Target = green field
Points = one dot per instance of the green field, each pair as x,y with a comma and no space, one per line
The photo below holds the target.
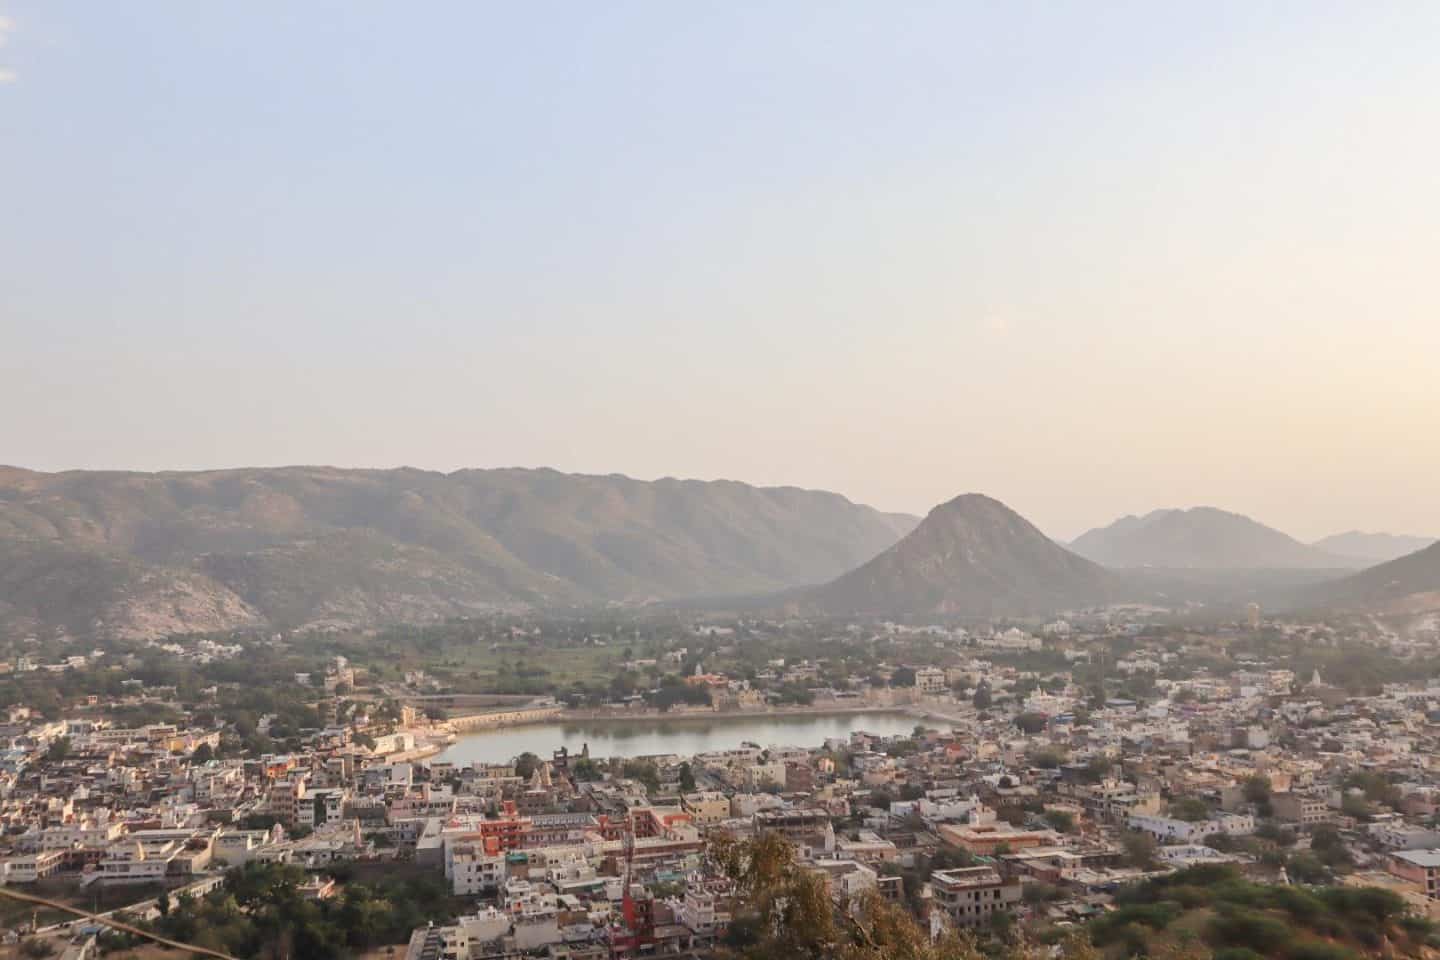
479,669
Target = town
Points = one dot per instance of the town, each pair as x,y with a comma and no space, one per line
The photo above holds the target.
1041,775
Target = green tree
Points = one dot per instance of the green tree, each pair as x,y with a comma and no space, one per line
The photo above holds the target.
525,764
784,912
1355,805
1190,809
1031,723
1306,868
1060,820
1047,759
1139,848
645,772
1257,789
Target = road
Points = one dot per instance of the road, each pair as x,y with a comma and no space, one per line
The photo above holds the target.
148,909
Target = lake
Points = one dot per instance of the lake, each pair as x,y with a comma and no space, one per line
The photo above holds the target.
687,735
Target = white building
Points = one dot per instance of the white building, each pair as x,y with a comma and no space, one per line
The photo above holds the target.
1170,830
470,870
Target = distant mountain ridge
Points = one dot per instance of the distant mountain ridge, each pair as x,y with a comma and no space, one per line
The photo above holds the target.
1407,585
970,557
1372,548
143,554
1201,538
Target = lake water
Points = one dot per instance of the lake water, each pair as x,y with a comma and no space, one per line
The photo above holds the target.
680,735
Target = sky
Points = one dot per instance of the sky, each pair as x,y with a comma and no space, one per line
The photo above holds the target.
1089,258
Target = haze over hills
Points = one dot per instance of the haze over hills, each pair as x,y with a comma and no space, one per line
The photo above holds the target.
1371,548
1410,584
146,554
1201,538
970,557
134,554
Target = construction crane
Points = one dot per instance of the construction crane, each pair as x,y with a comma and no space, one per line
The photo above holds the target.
626,937
627,902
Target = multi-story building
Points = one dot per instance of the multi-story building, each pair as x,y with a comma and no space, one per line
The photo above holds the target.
234,848
707,807
470,869
987,839
1418,866
87,833
799,777
285,799
845,879
30,868
1398,835
464,938
558,829
1305,811
970,895
799,826
1171,830
930,681
704,910
321,806
868,846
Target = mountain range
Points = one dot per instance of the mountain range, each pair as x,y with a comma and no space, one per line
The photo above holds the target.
148,554
144,554
1202,538
974,557
1367,549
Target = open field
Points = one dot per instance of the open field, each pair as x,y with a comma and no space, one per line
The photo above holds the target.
480,668
96,899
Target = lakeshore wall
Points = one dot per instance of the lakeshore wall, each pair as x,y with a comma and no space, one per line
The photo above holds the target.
506,718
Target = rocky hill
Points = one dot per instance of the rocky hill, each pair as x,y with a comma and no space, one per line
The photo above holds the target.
1408,585
970,557
147,554
1201,538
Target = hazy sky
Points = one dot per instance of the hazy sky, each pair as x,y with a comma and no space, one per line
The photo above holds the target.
1090,258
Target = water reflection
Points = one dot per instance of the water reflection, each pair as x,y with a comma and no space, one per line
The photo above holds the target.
681,735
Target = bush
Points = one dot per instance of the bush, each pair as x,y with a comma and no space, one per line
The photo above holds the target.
1060,820
1190,896
1236,926
1135,942
1121,926
1237,953
1417,928
1370,904
1319,950
1303,906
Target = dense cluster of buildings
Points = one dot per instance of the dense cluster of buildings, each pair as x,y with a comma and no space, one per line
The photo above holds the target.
1022,793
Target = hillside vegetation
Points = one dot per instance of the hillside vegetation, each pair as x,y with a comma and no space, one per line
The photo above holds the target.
130,554
1219,913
